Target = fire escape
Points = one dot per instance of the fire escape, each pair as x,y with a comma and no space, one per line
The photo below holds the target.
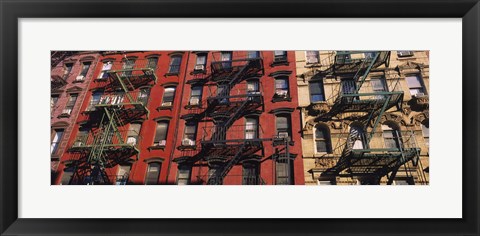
109,141
231,96
364,102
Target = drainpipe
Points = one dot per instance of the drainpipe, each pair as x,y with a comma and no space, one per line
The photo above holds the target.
175,135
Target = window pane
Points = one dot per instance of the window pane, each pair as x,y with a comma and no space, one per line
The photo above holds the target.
281,83
153,172
320,133
152,62
161,132
279,53
85,68
169,94
378,84
282,123
413,82
321,146
196,91
66,177
201,59
425,131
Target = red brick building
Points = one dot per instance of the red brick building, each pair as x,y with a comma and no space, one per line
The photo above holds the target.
71,73
188,118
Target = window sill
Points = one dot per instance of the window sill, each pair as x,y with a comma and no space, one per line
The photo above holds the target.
195,72
164,108
172,74
279,142
193,107
78,81
156,147
280,63
64,115
184,147
281,99
101,79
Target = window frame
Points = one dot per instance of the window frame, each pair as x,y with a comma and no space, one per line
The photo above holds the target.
149,165
173,66
168,99
157,137
326,139
322,89
420,81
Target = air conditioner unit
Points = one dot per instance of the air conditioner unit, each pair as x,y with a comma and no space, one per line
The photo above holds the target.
67,111
282,134
419,95
281,93
79,78
194,101
167,104
162,143
131,140
405,53
78,144
188,142
312,60
199,67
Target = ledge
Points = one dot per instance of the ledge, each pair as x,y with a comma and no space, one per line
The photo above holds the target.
164,108
156,147
280,63
64,115
281,99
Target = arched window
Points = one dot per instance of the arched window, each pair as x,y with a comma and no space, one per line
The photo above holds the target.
251,128
322,139
175,62
357,137
153,173
133,133
391,135
143,95
168,97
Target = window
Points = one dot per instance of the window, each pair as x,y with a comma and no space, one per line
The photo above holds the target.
348,86
67,176
214,175
316,91
224,93
281,86
357,137
143,95
404,181
253,54
161,133
153,173
168,96
152,63
95,100
133,133
283,126
426,132
284,172
68,69
327,181
83,73
251,128
195,96
57,137
378,85
107,66
404,53
313,57
175,62
253,89
251,174
415,85
70,104
128,66
201,62
81,139
280,56
183,177
322,139
189,134
226,57
122,174
53,102
391,135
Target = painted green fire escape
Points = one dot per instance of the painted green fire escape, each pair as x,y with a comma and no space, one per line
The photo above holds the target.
357,96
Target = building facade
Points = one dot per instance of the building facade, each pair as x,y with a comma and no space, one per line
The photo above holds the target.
71,73
365,116
172,117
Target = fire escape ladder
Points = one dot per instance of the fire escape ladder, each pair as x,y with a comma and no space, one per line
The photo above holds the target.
361,79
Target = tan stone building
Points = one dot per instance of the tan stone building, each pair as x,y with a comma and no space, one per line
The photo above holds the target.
365,116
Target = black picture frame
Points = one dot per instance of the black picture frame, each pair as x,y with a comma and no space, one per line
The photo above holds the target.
12,10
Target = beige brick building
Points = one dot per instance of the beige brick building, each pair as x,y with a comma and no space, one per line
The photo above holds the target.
365,116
